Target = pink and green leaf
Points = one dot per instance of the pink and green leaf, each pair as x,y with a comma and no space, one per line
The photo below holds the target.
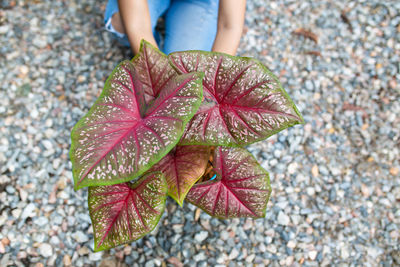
153,70
126,212
121,137
243,101
182,167
241,188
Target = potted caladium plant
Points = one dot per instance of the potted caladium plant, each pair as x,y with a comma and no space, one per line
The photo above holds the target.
177,126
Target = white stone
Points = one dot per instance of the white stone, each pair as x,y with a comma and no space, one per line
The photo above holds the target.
23,194
312,254
80,237
41,221
310,191
283,219
292,167
289,260
16,213
47,144
29,211
45,250
234,253
201,236
344,252
250,258
54,240
291,244
95,256
34,113
272,248
4,29
374,252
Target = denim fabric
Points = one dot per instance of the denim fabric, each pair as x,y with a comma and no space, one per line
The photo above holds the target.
189,24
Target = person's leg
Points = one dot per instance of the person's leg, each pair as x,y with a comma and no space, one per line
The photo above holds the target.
113,21
190,25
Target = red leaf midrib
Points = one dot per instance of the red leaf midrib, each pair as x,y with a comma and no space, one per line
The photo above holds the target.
155,109
115,218
238,199
228,89
184,70
107,151
249,90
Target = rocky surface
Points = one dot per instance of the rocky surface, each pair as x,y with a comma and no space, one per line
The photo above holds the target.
335,180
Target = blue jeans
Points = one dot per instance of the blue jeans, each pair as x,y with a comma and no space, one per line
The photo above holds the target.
189,24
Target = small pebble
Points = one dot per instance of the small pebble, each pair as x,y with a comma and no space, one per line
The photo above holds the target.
46,250
201,236
80,237
283,219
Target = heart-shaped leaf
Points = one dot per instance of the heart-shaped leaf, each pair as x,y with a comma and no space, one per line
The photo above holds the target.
121,137
243,101
241,188
153,70
182,167
125,212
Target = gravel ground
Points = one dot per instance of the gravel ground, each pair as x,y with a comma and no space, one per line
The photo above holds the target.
335,180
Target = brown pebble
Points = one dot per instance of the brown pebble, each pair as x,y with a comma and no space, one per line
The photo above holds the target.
81,79
5,241
197,214
365,190
315,171
175,261
119,255
22,255
394,171
232,234
393,84
83,251
127,250
67,260
64,226
53,195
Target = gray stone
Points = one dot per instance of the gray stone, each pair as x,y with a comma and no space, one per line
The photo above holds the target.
96,256
234,254
42,221
80,237
201,236
29,211
283,219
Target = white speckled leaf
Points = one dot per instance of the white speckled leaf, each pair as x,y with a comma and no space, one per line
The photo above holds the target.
121,137
241,188
182,167
153,70
243,101
126,212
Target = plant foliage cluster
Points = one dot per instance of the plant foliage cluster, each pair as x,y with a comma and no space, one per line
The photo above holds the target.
177,125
